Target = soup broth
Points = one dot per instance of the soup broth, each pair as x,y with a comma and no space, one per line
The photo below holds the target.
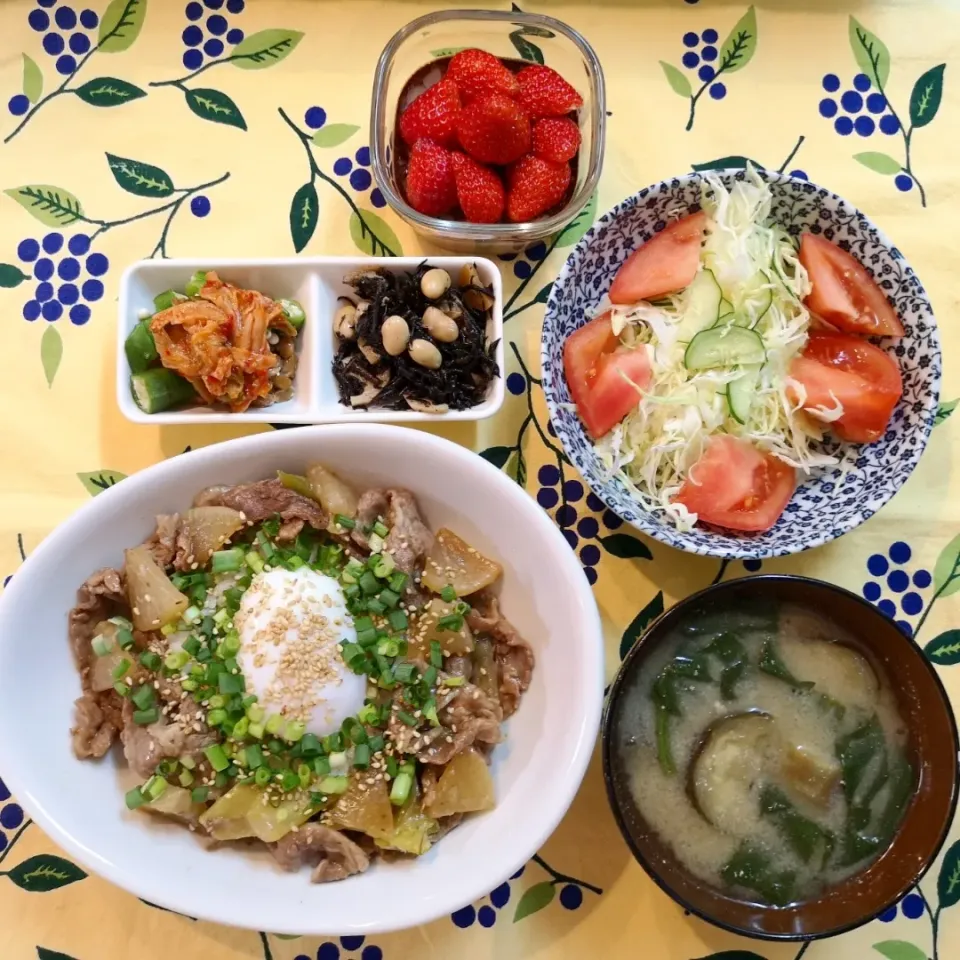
767,751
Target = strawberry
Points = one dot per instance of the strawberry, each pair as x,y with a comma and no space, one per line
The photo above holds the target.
556,139
433,115
535,186
478,73
479,190
431,188
544,93
494,130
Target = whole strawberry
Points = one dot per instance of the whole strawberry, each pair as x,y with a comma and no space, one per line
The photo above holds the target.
479,190
556,139
534,186
431,188
494,129
544,93
433,115
478,73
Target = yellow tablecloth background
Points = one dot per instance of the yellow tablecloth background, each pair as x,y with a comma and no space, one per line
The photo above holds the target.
62,435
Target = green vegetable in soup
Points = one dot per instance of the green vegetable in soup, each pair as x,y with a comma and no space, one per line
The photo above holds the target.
859,753
733,655
899,791
751,868
829,705
692,666
771,663
664,750
803,835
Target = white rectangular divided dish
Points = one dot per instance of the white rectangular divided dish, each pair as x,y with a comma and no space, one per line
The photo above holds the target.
316,282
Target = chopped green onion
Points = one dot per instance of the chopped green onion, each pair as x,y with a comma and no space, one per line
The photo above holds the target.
376,606
453,681
333,785
293,731
255,713
380,529
226,561
231,683
333,743
254,561
120,669
263,775
389,598
362,624
384,566
353,729
191,615
144,697
304,774
354,567
187,761
168,629
268,550
430,675
256,730
376,544
452,621
294,562
368,714
376,743
216,757
366,638
386,679
404,672
216,716
462,608
144,718
369,584
185,778
447,594
154,787
406,718
150,660
400,791
274,724
240,728
221,779
124,638
231,643
361,756
122,689
430,712
392,767
346,522
221,617
122,622
216,700
310,746
176,659
253,756
167,767
199,794
321,766
436,657
134,798
353,657
388,648
398,620
289,781
101,645
398,582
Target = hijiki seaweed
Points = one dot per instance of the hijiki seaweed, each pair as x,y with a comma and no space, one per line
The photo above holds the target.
429,362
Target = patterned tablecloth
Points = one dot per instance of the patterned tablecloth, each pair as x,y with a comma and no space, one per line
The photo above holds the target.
153,128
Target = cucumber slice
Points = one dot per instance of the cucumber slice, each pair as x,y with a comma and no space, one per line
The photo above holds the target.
701,305
140,348
725,309
740,393
724,347
293,312
159,389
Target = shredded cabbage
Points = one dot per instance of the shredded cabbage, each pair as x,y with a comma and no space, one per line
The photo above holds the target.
763,285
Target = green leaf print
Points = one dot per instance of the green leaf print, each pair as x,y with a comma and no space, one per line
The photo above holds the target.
446,51
108,92
679,83
573,232
215,106
373,235
627,547
944,650
726,163
944,409
99,480
946,573
11,276
926,96
333,134
948,882
141,179
879,162
741,44
870,52
899,950
640,622
121,24
51,353
45,872
264,48
32,80
535,899
733,955
304,213
498,456
44,954
52,206
526,49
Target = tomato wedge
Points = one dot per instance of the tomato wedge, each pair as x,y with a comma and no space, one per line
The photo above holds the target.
666,263
736,486
866,380
844,294
605,378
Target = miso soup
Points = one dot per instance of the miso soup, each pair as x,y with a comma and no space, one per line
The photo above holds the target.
766,750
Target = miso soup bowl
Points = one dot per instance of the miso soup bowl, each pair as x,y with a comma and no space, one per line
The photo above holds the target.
932,748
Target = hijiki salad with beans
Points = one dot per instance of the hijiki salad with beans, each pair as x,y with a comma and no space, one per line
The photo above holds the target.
414,340
216,344
292,664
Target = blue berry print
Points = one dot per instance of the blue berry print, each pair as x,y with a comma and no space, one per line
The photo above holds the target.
66,18
79,43
18,105
66,64
235,6
194,11
851,101
52,310
464,917
52,242
890,569
192,36
28,250
861,82
53,44
831,83
709,54
315,118
547,498
4,791
43,268
342,166
876,103
360,180
690,40
213,47
39,20
889,125
92,290
200,205
706,73
363,156
843,126
501,896
68,294
888,915
516,384
11,816
217,25
571,896
828,108
903,182
912,906
234,35
898,581
31,310
900,552
89,20
922,579
548,475
78,244
690,60
752,565
80,314
487,916
97,264
718,91
864,126
522,270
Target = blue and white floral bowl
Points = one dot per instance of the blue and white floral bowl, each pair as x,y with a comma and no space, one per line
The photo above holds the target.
827,504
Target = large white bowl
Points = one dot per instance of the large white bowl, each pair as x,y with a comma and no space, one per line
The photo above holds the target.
537,770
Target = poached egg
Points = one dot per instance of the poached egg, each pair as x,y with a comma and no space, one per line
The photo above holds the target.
290,624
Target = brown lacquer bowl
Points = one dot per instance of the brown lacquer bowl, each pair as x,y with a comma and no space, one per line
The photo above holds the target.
932,748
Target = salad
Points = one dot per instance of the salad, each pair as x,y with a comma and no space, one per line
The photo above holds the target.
298,664
723,353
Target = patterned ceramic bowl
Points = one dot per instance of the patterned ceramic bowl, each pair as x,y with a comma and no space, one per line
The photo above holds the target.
830,502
